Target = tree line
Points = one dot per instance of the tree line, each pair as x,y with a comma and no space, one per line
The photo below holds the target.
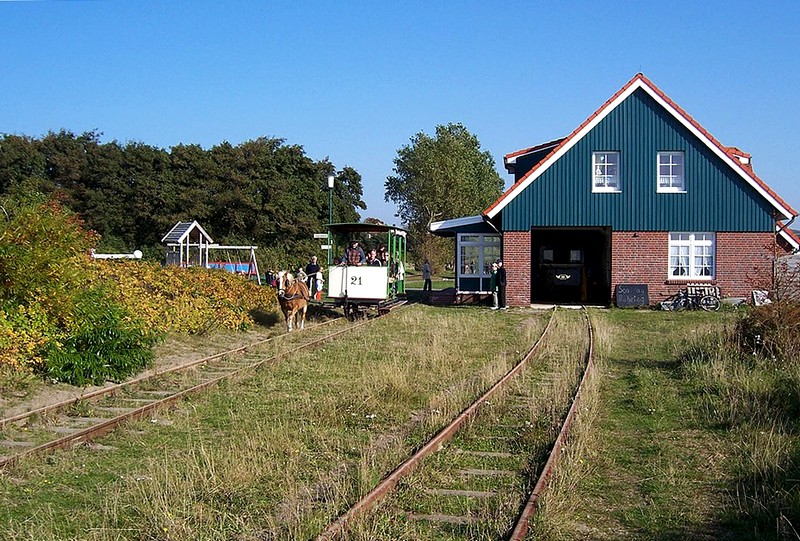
261,192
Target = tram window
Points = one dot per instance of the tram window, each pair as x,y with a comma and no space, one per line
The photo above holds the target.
575,256
547,255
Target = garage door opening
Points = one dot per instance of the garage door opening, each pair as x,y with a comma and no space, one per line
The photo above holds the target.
571,265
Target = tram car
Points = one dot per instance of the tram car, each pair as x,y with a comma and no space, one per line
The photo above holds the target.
358,284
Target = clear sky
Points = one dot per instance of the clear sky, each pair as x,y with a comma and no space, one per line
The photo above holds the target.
354,81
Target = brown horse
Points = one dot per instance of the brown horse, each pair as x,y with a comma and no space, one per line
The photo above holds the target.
293,297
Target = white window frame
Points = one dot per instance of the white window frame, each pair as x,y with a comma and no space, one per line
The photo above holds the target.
692,256
483,262
602,180
671,171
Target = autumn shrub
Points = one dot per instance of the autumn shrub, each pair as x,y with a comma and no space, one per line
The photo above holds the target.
183,300
24,331
42,250
54,320
83,321
772,330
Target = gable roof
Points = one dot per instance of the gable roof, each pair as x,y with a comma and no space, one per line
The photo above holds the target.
181,230
789,236
737,160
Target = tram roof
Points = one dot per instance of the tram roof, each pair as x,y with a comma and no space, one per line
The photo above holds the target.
364,228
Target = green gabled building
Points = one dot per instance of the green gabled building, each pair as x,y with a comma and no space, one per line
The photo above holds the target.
640,193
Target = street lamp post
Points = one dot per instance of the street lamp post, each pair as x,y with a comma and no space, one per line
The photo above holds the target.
331,178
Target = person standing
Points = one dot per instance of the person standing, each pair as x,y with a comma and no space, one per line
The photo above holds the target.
427,285
311,271
319,284
493,286
501,285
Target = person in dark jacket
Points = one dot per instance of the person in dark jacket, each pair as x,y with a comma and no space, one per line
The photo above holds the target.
493,286
501,285
311,271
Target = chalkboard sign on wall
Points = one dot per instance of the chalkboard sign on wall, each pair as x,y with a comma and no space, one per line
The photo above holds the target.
632,295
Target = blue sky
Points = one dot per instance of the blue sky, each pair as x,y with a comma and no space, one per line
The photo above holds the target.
354,81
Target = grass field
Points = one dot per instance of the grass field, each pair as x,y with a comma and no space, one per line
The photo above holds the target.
660,455
276,455
663,451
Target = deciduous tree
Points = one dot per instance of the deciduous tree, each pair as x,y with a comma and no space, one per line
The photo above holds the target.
441,177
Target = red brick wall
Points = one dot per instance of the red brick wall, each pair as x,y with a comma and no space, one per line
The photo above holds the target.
640,257
517,261
743,262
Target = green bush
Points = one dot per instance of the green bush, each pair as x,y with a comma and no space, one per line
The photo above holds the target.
106,345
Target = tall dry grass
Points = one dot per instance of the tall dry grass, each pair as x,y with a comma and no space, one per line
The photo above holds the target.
279,455
749,379
560,506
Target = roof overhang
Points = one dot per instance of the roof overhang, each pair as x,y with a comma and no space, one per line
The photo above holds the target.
467,224
789,236
510,159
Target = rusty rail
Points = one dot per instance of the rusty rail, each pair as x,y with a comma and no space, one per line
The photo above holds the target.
106,426
529,510
339,526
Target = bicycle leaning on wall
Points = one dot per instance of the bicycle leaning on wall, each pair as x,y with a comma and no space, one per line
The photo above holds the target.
694,297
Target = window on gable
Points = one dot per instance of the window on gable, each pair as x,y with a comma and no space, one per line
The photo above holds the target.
605,172
691,256
670,172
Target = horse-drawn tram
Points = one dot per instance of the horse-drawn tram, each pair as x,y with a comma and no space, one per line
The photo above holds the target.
367,268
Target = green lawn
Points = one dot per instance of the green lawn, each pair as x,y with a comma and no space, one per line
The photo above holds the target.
651,460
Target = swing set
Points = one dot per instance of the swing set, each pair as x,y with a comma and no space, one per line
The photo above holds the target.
188,245
247,268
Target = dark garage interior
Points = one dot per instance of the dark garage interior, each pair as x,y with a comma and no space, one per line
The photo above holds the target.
571,265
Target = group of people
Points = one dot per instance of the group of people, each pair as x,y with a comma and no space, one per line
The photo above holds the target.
355,255
312,276
497,283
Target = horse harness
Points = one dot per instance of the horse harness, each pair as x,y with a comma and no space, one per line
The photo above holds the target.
282,294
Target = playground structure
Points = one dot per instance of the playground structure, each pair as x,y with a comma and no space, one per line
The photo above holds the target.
188,245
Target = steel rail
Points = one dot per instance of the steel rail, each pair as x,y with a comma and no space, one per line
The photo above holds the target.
531,506
339,526
107,426
112,389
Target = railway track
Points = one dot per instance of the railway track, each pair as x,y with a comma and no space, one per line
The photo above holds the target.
481,476
94,414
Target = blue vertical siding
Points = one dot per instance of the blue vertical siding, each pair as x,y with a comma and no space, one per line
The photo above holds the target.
716,199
